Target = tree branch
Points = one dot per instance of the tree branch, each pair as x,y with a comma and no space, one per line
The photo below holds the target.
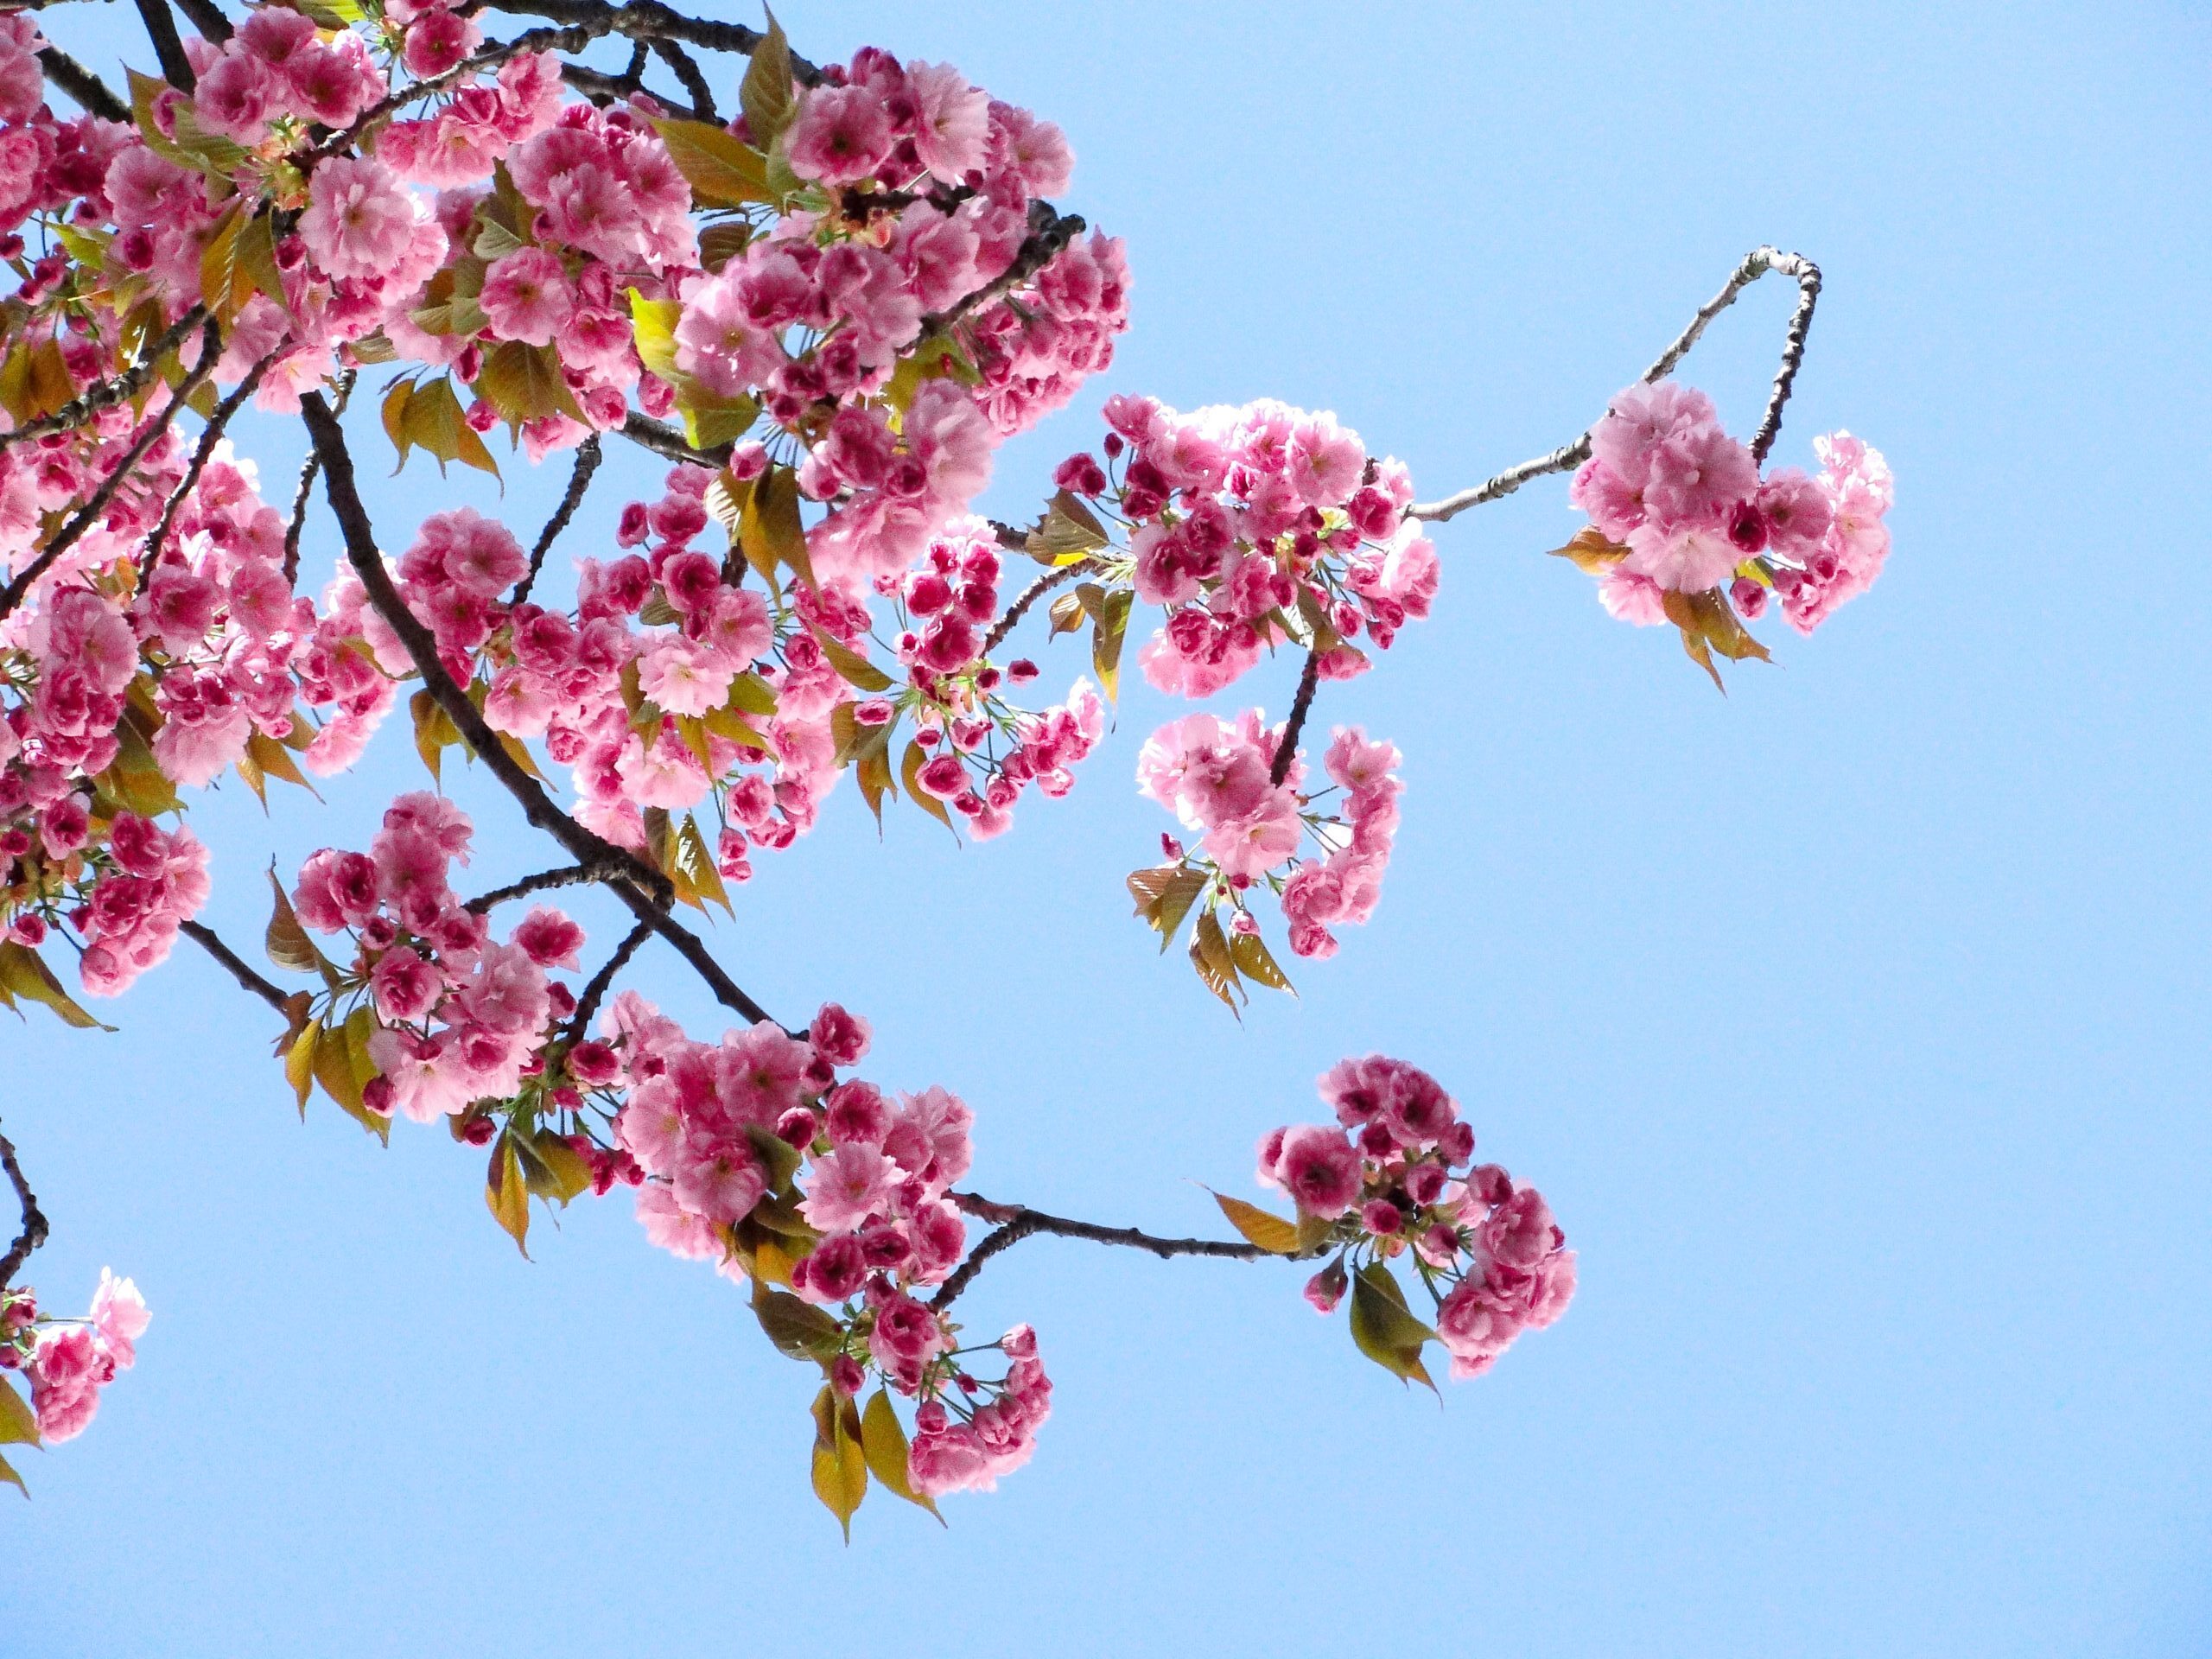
208,440
240,969
595,992
69,534
685,68
206,19
1568,457
568,875
1050,232
160,28
669,444
643,890
648,21
1301,704
35,1229
309,468
91,93
1016,1222
1029,595
587,458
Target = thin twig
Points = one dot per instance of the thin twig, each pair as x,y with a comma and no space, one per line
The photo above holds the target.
69,534
240,969
668,443
644,891
1309,681
206,448
568,875
647,19
1029,595
1568,457
309,468
587,458
95,398
595,992
93,94
1016,1222
1049,232
35,1229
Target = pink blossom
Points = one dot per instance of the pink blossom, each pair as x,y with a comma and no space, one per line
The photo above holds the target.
845,1187
840,134
527,297
1321,1169
359,223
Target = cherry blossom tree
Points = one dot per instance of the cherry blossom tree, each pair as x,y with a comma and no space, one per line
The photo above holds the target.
541,232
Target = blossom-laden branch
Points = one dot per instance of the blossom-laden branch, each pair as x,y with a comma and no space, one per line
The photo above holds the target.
643,890
1568,457
90,513
827,313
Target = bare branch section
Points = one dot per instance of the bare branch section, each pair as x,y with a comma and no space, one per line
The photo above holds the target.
240,968
93,94
169,45
35,1228
1016,1222
603,981
643,890
587,458
568,875
1568,457
308,470
1035,591
1309,682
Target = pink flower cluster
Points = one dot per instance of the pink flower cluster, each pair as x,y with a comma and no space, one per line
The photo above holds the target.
1217,777
68,1362
754,1145
1255,525
1688,512
458,1017
1394,1177
960,1445
274,78
45,162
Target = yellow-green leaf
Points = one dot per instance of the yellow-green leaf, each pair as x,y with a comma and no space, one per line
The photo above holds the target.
7,1473
1270,1232
652,327
23,973
840,1463
883,1438
1217,968
299,1063
1592,552
285,940
18,1422
1165,895
910,772
524,383
723,170
766,95
799,1329
1068,531
1383,1329
769,530
507,1195
856,669
1253,959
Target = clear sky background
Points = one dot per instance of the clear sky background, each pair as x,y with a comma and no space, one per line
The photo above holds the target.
1853,1023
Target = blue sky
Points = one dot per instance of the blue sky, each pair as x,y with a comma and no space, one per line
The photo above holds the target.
1853,1023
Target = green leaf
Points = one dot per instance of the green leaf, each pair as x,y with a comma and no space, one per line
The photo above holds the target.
691,866
856,669
1590,552
1217,968
552,1168
18,1423
1113,624
7,1473
1270,1232
723,170
1383,1329
1165,895
797,1329
1068,531
652,327
766,94
840,1462
769,532
433,418
1253,959
883,1438
524,383
910,772
23,973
